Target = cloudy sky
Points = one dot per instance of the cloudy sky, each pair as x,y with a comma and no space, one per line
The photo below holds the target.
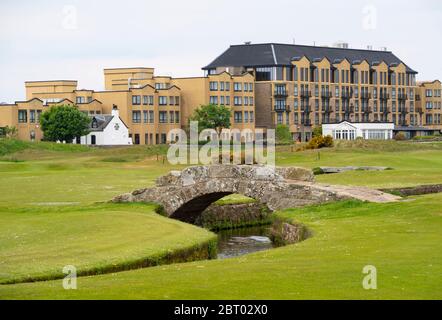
76,39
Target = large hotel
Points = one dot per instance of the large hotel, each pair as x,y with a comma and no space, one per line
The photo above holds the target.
263,84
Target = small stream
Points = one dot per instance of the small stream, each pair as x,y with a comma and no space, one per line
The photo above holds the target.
238,242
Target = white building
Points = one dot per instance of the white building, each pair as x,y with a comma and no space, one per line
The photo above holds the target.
350,131
106,130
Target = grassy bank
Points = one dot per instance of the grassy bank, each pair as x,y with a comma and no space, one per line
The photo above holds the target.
401,240
36,243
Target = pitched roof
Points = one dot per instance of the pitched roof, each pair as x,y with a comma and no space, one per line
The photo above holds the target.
101,122
276,54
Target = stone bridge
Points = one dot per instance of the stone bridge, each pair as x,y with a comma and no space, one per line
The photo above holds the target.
186,194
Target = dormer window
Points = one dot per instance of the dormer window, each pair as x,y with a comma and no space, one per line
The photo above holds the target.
94,123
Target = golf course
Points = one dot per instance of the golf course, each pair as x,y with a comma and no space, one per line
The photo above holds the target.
54,212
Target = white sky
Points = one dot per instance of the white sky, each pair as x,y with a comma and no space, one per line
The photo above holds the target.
76,39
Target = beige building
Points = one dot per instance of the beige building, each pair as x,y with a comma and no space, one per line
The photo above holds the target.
306,86
263,84
429,104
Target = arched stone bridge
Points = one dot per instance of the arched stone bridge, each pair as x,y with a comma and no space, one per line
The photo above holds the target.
186,194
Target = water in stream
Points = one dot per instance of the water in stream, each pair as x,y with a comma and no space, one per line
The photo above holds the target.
238,242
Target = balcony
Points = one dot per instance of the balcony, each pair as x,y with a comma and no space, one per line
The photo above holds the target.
282,108
306,109
385,110
403,110
326,94
280,93
349,110
305,93
402,96
365,95
367,110
346,94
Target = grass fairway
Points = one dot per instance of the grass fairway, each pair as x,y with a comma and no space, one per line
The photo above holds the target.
37,243
49,217
403,241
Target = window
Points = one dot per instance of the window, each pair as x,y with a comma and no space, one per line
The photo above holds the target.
145,100
145,116
237,116
213,100
222,100
177,117
22,116
251,116
38,116
279,118
246,116
428,93
295,91
227,100
171,116
162,100
251,101
32,116
213,86
151,116
163,116
80,100
237,101
237,86
150,100
227,86
251,88
295,73
246,87
246,101
136,100
136,116
171,101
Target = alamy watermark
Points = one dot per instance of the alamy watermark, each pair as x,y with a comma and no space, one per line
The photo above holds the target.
370,281
230,146
70,280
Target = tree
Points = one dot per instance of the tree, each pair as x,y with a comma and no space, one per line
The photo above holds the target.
283,135
64,123
212,117
11,132
317,131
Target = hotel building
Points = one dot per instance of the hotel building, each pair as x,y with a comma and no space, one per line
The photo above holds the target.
263,84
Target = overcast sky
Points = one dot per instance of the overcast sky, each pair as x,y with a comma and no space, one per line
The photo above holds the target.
43,39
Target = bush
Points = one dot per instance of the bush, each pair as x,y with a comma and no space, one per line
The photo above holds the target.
320,142
399,136
283,135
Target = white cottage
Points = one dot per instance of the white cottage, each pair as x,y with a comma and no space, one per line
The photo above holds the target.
106,130
350,131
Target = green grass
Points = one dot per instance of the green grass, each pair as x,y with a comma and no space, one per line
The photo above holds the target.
401,240
37,242
413,164
49,217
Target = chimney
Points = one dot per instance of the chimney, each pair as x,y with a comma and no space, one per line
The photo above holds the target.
115,112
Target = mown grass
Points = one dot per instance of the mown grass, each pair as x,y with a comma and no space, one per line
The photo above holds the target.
401,240
49,196
36,243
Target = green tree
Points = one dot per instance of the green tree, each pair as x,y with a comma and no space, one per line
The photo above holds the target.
64,123
317,131
283,135
11,132
212,117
